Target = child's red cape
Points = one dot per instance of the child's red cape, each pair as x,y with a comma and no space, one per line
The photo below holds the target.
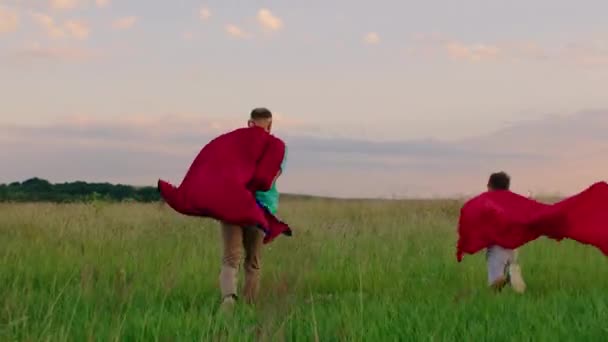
510,220
224,177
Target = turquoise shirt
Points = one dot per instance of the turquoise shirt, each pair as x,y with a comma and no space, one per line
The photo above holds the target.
270,198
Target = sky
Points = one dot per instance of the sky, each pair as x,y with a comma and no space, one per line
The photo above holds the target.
404,95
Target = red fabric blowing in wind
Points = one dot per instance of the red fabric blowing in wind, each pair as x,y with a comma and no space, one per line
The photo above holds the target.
222,181
510,220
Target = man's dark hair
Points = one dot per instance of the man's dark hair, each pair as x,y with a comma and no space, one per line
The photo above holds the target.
261,113
499,181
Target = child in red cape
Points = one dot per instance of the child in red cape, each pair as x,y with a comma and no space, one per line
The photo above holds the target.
502,263
232,180
506,219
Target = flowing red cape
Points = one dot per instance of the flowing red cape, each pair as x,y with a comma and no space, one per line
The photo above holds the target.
510,220
223,178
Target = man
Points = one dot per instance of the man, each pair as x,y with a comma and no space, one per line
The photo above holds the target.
250,239
232,180
502,263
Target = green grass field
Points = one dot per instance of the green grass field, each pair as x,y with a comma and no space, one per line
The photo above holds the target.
353,271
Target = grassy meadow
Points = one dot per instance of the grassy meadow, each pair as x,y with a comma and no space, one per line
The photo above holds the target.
353,271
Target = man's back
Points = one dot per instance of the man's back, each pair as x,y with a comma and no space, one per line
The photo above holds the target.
221,179
233,154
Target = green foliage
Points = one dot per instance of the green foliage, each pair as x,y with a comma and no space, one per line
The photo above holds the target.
40,190
353,271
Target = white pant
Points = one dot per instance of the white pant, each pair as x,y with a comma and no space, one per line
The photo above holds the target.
498,260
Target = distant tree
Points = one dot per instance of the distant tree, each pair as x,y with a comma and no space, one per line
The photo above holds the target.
147,194
37,184
36,189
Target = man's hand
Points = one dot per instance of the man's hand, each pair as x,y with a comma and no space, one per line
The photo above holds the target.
277,176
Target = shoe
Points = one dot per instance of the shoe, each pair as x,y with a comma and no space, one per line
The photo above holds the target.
499,283
228,304
515,279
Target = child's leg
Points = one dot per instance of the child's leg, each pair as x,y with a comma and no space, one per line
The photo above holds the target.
517,281
498,261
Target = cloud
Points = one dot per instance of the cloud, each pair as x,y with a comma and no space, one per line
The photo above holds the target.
472,53
437,44
526,51
132,147
204,13
77,29
236,32
188,36
371,38
139,149
9,20
586,51
36,51
64,4
102,3
269,21
46,22
429,37
593,53
124,23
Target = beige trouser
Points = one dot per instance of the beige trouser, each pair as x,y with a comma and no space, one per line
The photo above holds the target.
235,239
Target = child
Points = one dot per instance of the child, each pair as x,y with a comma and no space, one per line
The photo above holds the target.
502,263
250,239
499,217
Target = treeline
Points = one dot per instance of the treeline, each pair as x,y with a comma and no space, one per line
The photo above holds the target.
40,190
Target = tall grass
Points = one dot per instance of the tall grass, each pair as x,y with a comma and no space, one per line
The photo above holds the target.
354,271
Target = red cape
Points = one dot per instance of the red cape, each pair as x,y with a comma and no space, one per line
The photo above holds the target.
510,220
223,178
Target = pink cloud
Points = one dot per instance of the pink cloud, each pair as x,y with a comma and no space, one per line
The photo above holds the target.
48,24
124,23
9,20
236,32
78,29
36,51
472,53
188,36
588,54
133,145
437,44
155,125
64,4
371,38
102,3
204,13
529,50
584,52
269,21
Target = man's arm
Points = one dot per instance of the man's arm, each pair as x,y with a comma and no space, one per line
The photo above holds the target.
282,166
269,166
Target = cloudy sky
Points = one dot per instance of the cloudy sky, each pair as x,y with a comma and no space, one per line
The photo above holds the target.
382,98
